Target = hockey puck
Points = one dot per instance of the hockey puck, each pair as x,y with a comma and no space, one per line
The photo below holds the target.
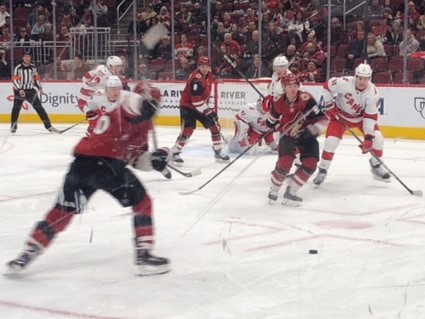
312,251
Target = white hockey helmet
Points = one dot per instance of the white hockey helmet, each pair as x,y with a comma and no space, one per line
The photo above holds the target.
363,70
113,82
280,61
112,62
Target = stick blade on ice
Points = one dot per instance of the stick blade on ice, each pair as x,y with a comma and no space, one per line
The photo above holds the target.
153,36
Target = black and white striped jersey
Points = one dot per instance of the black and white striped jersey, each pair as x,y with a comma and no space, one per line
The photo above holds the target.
26,77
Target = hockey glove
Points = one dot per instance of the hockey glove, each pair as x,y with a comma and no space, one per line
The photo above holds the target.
367,144
148,110
91,115
211,115
331,110
160,158
273,126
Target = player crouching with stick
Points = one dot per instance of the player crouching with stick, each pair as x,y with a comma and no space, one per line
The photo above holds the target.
296,115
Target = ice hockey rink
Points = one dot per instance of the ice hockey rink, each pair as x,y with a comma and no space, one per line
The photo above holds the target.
233,255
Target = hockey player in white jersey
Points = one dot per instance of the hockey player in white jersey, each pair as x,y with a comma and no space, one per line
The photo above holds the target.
352,101
96,79
250,125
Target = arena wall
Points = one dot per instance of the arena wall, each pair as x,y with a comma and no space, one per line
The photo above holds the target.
402,108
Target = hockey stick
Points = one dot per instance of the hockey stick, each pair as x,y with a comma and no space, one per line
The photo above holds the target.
185,174
72,126
233,64
418,193
219,130
288,129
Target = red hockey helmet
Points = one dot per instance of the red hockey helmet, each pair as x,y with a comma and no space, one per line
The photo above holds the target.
290,78
203,60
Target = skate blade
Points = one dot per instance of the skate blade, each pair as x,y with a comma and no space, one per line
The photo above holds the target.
380,179
148,270
272,202
177,164
12,272
292,203
218,160
316,185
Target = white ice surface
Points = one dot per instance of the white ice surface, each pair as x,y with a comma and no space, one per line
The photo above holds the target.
233,255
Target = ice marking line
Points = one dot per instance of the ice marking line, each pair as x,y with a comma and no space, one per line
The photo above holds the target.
288,242
64,313
26,196
379,211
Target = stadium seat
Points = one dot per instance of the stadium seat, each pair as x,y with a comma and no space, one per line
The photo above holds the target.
338,65
379,64
415,64
398,78
383,77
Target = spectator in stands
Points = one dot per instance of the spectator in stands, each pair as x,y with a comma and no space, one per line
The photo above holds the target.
313,53
292,55
3,15
74,19
22,38
413,16
47,34
394,34
388,5
237,34
337,33
61,70
271,42
197,16
251,47
157,5
164,49
38,28
5,73
233,48
355,49
311,74
221,68
388,16
421,23
183,72
5,40
201,51
294,67
318,17
63,34
375,10
298,27
183,18
6,24
379,28
253,71
250,16
149,15
164,15
102,13
141,26
217,32
145,74
217,11
227,21
184,49
411,44
33,16
375,48
286,21
78,68
311,38
357,27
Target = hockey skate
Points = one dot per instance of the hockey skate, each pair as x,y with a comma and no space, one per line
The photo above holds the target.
320,177
273,195
379,172
13,127
219,157
166,172
290,198
177,160
148,264
19,264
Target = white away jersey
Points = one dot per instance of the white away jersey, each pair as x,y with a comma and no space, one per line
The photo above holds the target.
254,118
351,102
94,80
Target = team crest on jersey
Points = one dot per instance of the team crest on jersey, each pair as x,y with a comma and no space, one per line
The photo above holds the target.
304,96
198,75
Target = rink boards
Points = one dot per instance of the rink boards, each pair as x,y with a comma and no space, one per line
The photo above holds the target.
402,108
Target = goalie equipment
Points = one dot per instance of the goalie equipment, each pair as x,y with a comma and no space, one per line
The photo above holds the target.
379,172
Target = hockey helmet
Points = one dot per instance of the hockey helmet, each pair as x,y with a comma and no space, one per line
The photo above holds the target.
280,61
364,70
203,60
113,63
113,82
290,78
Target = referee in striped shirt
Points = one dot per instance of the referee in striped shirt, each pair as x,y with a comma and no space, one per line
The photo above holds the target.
25,77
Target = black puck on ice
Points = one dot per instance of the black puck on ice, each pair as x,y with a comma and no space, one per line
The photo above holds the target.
312,251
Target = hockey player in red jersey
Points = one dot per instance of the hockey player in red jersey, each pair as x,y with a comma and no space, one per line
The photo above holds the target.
194,107
352,101
298,131
118,139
